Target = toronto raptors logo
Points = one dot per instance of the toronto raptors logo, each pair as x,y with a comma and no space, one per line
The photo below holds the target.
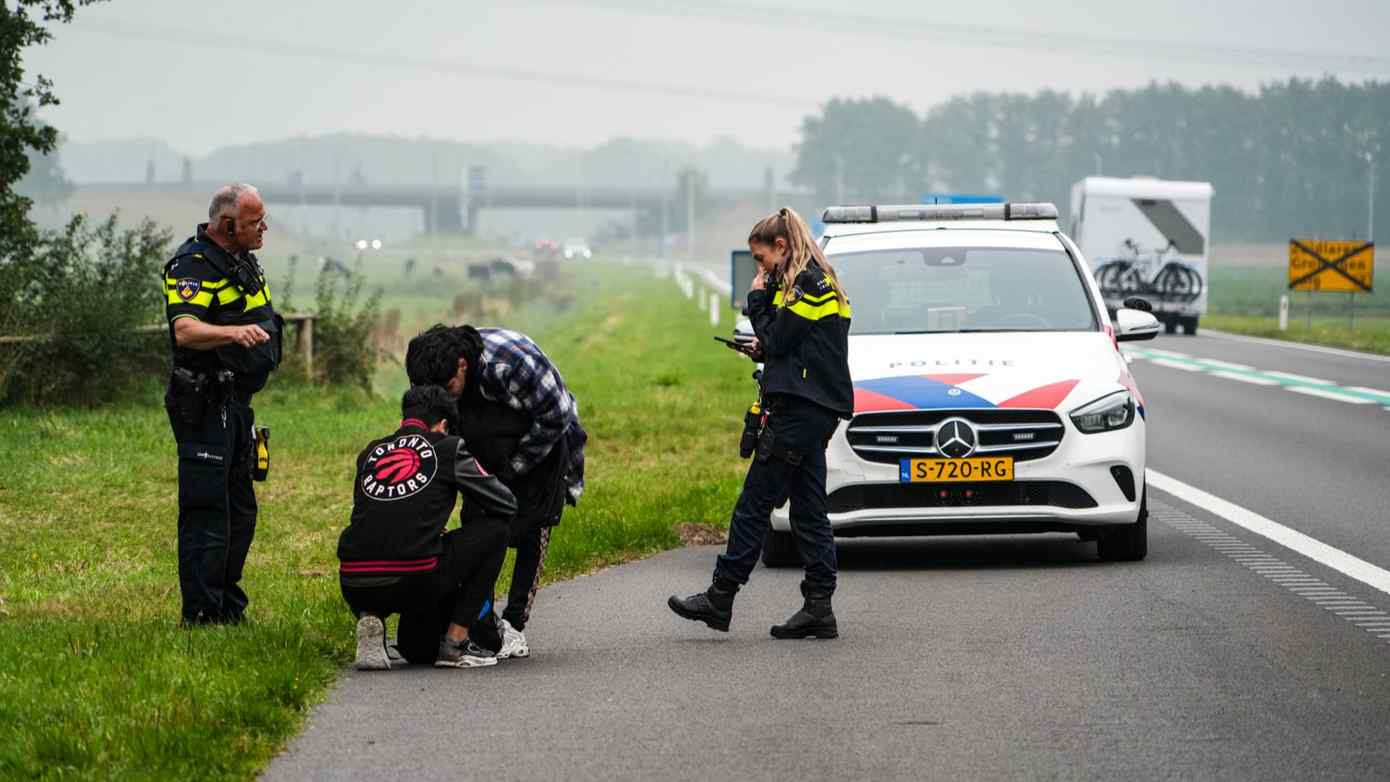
398,469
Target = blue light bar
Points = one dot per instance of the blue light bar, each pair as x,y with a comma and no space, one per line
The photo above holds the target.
1012,210
960,198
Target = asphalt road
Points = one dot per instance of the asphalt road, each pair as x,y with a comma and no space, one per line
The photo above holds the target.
1221,656
1316,464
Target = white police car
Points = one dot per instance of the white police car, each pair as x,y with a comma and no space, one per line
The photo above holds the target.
990,393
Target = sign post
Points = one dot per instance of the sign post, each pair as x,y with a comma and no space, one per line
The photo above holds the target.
1332,266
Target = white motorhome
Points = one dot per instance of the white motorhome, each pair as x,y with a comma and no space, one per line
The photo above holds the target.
1146,237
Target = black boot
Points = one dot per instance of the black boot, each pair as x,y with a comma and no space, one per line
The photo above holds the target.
714,606
814,620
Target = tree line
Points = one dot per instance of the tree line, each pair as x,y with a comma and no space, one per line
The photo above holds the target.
1294,158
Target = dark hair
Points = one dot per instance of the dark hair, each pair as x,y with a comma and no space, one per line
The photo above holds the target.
430,404
432,357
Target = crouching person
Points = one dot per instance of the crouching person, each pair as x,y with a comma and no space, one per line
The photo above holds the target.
395,556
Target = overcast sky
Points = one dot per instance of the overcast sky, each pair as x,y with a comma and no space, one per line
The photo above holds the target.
578,73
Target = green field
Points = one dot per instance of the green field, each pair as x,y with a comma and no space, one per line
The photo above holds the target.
1245,300
95,679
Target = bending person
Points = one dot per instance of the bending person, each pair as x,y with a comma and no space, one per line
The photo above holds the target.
512,403
395,556
801,318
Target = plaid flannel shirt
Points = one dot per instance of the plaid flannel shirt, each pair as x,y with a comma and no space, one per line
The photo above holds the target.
516,373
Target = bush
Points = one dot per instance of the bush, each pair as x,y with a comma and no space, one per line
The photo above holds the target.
84,294
345,319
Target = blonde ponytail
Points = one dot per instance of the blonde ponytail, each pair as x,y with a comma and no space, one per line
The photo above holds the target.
787,225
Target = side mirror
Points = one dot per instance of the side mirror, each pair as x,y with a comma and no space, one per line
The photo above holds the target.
1132,325
1136,303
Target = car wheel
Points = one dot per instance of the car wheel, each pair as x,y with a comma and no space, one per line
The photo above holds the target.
1189,326
779,550
1170,326
1126,542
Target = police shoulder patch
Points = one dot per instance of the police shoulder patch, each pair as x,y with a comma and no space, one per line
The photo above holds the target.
188,287
794,294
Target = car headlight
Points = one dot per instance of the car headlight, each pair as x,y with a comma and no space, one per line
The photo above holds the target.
1110,412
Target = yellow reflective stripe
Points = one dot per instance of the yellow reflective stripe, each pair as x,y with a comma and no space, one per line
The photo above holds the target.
200,299
259,300
811,311
233,295
817,299
777,299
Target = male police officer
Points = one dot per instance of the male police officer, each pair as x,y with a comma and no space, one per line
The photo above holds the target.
226,341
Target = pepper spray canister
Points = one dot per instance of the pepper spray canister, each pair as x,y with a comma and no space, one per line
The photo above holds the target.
752,424
260,465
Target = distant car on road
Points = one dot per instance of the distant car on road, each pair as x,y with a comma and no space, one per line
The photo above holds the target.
577,249
990,392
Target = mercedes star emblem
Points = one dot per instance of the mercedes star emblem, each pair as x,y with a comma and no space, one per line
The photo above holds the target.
955,438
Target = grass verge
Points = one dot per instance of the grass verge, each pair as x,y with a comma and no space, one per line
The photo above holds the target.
97,682
1370,334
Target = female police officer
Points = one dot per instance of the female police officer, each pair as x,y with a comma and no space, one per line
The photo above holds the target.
801,318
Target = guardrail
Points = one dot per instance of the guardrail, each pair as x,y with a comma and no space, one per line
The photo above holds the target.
303,338
704,286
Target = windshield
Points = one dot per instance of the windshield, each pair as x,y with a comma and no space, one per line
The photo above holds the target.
959,289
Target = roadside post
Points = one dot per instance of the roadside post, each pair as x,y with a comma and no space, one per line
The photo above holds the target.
1284,312
1330,266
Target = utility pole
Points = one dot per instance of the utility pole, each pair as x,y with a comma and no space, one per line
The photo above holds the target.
665,218
839,179
690,213
1371,197
770,185
431,224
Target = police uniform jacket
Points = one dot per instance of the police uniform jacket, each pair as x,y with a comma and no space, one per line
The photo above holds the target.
405,491
205,282
804,334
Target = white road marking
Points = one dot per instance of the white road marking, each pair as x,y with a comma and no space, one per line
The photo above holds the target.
1372,391
1168,353
1253,379
1334,558
1354,611
1325,394
1281,343
1300,378
1163,362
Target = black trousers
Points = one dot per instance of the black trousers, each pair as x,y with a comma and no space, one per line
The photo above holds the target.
793,466
526,575
458,590
217,510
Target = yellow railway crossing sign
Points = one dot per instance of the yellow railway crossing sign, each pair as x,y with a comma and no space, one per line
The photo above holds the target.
1339,266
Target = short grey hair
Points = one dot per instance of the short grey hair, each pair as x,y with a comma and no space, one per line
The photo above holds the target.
226,198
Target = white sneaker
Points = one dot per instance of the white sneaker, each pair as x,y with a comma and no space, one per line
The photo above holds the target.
513,643
371,645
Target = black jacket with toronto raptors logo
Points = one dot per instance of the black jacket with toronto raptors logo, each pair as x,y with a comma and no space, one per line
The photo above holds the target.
404,492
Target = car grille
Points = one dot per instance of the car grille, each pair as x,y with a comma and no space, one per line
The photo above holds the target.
878,496
890,436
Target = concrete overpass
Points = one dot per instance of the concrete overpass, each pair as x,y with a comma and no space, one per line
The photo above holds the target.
450,209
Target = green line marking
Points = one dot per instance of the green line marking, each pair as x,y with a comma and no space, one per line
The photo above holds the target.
1262,377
